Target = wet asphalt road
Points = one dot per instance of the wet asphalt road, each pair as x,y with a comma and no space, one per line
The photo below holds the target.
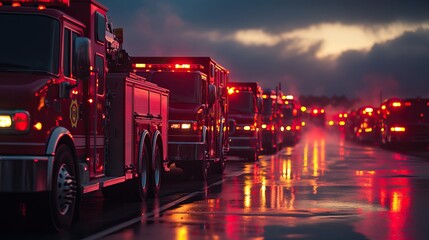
322,188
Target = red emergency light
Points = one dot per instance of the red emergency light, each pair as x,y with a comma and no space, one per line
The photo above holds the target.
169,67
40,3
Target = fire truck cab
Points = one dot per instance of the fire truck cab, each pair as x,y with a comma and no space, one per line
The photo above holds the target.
245,109
72,121
404,121
272,137
291,120
198,131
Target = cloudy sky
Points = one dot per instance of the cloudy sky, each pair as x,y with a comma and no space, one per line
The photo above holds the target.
363,49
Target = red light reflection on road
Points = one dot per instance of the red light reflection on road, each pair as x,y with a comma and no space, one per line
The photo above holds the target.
392,194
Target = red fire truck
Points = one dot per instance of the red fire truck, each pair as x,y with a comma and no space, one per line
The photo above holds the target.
291,120
272,136
404,122
71,121
245,109
198,125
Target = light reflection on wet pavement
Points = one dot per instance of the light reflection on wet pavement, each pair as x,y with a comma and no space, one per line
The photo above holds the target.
322,188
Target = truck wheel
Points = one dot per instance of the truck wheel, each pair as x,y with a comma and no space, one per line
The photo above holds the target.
219,167
63,197
201,166
156,173
140,185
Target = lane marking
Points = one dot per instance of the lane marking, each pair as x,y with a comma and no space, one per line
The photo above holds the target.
144,216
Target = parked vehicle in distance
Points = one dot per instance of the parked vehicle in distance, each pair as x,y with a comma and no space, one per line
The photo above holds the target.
291,120
272,137
245,108
404,122
363,125
198,112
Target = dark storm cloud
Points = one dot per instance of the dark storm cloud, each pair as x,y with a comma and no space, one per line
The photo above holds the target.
281,15
395,68
392,68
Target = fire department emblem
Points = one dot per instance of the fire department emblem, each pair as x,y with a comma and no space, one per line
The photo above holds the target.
74,113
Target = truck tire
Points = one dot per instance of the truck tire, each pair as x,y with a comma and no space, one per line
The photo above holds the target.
156,171
63,197
201,165
135,189
140,185
219,167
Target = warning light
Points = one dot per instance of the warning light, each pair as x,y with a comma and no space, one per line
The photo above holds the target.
230,91
140,65
397,129
186,66
21,121
396,104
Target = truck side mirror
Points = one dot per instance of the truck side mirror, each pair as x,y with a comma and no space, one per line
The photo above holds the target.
82,57
259,103
212,94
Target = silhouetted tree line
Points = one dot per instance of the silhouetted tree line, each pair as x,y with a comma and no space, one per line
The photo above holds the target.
323,101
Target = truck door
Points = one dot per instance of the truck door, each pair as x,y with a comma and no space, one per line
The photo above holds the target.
96,98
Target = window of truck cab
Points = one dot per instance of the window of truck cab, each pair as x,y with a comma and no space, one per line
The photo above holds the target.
69,68
30,43
184,87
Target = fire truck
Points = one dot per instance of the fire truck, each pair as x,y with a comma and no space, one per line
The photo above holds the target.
405,122
198,123
272,136
245,108
72,119
291,120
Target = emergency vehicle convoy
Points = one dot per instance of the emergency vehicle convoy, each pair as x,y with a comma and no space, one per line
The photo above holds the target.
245,108
72,120
404,121
198,125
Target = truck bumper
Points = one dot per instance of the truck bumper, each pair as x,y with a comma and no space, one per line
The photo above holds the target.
25,174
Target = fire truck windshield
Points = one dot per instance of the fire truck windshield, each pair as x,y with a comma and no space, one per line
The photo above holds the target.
184,87
242,102
30,43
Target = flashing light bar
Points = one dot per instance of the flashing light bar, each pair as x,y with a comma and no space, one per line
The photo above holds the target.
396,104
368,130
289,97
177,66
18,3
397,129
